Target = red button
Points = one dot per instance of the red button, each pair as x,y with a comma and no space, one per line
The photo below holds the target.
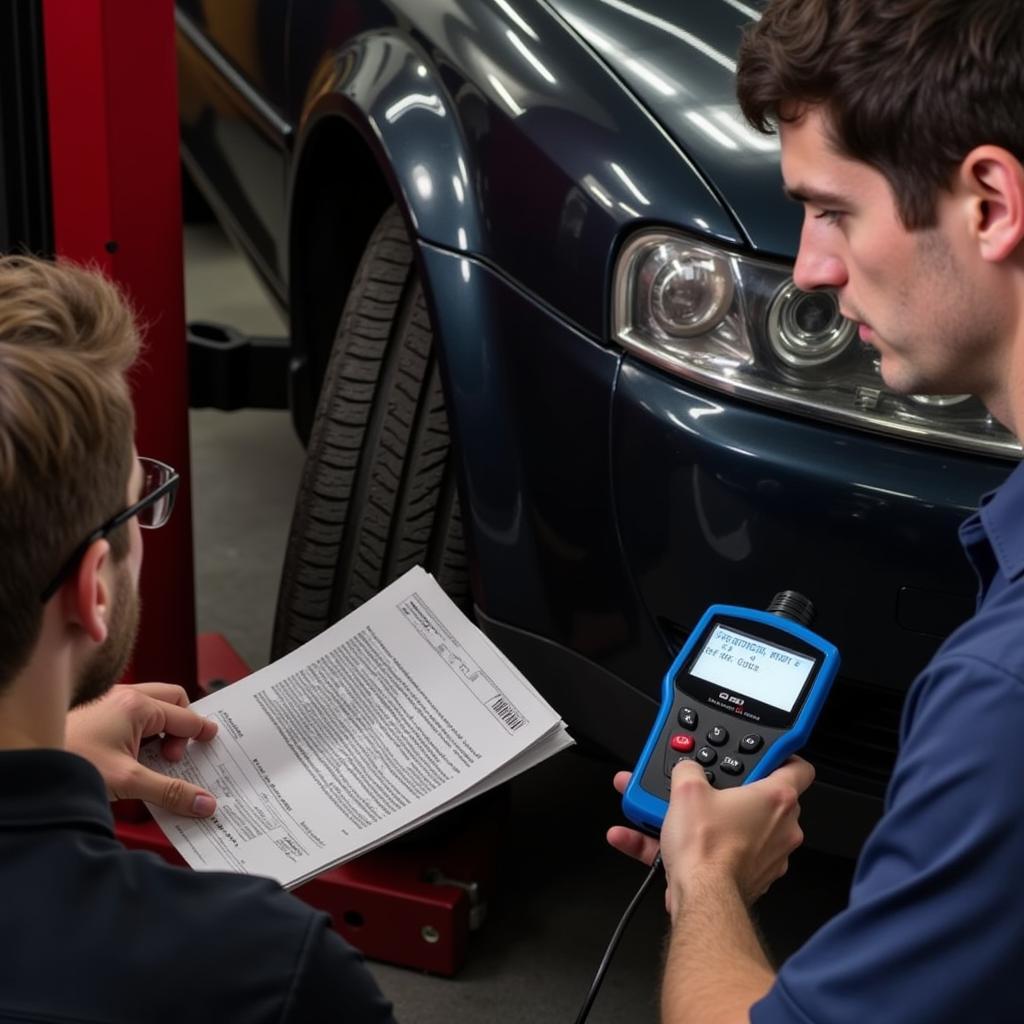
684,744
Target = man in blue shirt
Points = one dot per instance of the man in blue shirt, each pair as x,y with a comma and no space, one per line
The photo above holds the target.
902,135
94,932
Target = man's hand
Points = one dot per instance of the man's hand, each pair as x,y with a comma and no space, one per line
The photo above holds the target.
109,731
741,836
722,849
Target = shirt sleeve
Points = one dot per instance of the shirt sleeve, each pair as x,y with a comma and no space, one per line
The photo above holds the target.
935,925
333,984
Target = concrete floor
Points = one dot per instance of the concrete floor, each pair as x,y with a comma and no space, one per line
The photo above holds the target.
561,890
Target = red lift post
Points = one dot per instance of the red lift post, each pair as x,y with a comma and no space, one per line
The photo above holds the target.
112,101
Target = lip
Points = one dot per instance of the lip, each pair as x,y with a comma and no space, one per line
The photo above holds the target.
864,332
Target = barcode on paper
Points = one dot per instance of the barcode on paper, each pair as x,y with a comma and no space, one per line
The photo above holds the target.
507,713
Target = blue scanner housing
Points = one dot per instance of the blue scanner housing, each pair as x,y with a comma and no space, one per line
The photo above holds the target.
738,736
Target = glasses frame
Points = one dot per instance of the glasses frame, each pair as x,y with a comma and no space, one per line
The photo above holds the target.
169,486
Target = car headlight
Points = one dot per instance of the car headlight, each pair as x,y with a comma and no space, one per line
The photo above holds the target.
806,328
742,326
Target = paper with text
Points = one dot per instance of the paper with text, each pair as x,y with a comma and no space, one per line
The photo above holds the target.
397,712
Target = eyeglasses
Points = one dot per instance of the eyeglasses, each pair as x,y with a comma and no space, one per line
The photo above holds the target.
159,485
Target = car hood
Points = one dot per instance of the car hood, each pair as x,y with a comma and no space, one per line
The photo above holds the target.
679,60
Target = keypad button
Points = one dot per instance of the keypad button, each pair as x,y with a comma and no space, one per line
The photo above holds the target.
688,718
706,756
751,744
672,759
717,735
709,775
682,743
730,765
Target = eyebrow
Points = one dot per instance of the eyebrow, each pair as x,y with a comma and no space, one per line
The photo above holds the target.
817,197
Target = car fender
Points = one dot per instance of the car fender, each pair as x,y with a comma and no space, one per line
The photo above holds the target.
383,87
524,151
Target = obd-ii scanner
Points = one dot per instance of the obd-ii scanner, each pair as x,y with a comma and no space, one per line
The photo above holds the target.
741,696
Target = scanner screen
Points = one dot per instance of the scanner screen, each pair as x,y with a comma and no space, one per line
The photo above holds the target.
748,667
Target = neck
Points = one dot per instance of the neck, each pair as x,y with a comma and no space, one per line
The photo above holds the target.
1011,410
1006,402
34,704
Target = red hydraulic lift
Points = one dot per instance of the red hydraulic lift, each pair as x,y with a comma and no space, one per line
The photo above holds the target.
111,103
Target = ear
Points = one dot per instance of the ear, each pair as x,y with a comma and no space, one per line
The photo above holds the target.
993,180
88,594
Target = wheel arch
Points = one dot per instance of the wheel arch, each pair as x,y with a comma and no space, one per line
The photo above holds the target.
377,128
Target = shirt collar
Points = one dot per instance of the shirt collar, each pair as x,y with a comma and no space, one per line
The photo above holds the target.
49,789
1002,515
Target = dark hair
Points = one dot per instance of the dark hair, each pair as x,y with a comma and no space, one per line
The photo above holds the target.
67,339
907,86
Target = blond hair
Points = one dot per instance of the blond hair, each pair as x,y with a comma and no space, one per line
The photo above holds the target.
67,340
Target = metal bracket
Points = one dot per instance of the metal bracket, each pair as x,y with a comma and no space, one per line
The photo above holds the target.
229,370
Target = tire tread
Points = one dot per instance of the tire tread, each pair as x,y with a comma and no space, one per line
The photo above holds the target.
377,492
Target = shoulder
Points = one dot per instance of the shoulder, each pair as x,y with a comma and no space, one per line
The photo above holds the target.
245,901
989,637
978,671
261,948
963,719
187,945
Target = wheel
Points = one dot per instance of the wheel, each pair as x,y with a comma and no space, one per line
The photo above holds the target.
377,494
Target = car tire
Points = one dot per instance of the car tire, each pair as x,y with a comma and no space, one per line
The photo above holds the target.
378,492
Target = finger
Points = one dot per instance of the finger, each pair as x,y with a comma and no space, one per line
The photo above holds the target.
172,748
632,843
175,795
169,693
796,772
621,781
178,721
688,771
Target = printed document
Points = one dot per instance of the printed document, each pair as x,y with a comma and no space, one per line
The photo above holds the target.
400,711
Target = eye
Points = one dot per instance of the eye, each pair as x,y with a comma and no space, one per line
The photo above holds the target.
829,216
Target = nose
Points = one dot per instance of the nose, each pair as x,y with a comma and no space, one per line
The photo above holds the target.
817,265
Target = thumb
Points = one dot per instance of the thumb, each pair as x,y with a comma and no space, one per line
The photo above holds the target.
172,794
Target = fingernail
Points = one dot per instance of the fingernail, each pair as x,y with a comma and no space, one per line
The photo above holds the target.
204,805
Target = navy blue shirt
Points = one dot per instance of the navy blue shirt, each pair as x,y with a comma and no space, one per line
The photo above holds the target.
934,930
92,932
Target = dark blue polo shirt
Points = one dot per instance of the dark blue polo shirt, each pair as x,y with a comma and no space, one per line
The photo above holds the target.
934,931
91,932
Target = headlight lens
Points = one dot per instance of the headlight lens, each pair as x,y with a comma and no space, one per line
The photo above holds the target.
741,325
806,328
688,290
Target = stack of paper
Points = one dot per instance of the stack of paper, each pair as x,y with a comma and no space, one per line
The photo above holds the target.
398,712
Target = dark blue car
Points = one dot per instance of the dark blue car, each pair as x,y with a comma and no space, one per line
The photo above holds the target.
544,340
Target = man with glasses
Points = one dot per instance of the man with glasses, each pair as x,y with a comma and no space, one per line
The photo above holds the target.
94,932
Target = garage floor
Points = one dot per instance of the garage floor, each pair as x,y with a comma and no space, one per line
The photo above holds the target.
561,889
